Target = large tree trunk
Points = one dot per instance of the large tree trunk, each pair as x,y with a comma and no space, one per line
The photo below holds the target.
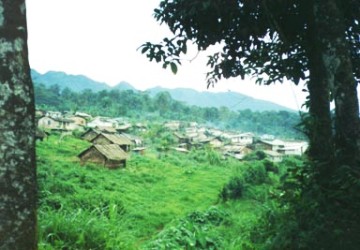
17,131
319,124
336,60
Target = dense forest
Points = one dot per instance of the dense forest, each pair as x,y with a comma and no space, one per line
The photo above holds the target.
140,106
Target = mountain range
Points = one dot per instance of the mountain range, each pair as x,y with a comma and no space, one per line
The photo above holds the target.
231,100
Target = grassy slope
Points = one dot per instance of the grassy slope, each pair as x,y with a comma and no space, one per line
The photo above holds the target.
89,207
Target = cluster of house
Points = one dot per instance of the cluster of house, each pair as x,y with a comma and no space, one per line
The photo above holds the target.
57,121
233,144
111,142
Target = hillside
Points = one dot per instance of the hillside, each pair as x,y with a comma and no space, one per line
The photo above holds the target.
172,201
76,83
232,100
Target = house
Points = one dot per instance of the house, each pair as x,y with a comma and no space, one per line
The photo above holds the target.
242,139
236,151
190,130
61,124
273,156
273,145
293,148
137,141
216,143
140,127
172,125
90,134
53,114
182,139
139,150
119,140
215,132
284,147
78,120
40,113
108,130
98,122
83,115
123,127
110,155
200,141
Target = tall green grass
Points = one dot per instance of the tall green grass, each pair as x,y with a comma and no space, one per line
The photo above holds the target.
90,207
159,201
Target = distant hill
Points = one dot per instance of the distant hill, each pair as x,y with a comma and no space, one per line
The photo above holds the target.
124,86
76,83
231,100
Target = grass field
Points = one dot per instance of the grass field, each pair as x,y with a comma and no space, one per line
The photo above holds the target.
171,202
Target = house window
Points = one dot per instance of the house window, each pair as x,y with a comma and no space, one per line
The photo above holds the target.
49,122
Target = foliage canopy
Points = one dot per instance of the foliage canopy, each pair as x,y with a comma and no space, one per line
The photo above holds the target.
257,37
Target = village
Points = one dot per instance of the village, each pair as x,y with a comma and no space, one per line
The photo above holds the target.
113,140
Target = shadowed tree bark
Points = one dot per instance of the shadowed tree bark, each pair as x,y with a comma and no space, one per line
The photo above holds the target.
17,130
338,73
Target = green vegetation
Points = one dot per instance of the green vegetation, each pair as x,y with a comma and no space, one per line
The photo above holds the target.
140,106
298,41
176,201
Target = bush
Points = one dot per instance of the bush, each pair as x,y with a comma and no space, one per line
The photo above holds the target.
233,190
255,173
255,156
270,166
192,232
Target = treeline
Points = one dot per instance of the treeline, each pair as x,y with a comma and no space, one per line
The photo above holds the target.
141,106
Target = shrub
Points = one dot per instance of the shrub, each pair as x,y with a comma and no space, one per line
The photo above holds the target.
192,232
255,173
232,190
270,166
255,156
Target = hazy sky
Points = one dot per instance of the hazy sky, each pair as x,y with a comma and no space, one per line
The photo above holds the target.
99,39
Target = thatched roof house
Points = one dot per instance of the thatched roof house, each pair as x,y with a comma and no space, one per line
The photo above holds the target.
90,134
120,140
135,140
110,155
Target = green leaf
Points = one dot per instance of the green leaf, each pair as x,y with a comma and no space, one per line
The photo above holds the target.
144,49
173,67
184,48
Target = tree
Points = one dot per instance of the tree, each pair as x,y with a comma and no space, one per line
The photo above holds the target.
163,102
314,41
17,131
